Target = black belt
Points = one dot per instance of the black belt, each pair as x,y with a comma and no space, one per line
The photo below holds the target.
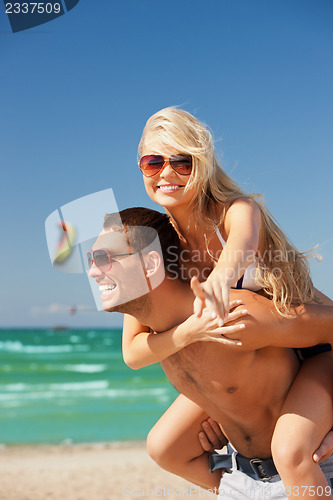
260,469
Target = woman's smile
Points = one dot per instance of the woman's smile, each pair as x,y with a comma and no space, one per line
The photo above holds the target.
169,188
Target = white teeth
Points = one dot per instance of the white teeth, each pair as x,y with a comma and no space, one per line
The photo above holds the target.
107,288
168,189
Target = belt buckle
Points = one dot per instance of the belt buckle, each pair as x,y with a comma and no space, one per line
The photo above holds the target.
258,469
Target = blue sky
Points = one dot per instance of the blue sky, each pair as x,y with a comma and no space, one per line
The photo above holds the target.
75,95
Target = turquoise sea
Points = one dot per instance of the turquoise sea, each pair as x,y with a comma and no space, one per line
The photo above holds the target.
74,386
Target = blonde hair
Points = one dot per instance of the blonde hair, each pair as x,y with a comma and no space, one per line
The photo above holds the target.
284,271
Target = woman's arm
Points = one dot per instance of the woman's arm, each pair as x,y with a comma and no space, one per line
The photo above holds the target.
141,347
241,226
264,326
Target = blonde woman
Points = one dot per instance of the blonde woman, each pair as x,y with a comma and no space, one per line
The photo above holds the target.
228,240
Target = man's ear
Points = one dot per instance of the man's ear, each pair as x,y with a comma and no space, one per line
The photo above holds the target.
153,262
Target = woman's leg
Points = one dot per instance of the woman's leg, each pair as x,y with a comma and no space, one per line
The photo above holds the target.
174,445
305,419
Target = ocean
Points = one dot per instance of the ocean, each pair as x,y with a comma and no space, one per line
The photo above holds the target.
73,386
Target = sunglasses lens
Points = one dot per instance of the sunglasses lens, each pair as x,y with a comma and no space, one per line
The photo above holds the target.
151,164
90,259
182,164
102,260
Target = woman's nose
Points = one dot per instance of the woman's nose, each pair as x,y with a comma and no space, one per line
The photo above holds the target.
167,169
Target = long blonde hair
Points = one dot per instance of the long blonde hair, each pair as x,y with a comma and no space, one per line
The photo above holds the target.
284,271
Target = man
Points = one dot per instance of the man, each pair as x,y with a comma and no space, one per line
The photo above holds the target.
242,390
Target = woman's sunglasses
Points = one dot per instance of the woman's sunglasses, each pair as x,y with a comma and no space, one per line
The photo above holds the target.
102,259
152,164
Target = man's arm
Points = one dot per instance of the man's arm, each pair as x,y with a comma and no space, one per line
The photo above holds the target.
264,326
212,439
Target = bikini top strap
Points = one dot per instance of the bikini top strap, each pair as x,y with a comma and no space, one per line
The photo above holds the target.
218,234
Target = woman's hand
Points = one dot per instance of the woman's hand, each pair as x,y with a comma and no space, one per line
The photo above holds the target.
205,328
212,294
211,437
246,337
261,317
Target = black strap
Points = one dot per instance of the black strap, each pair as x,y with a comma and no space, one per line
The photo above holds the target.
240,282
307,352
260,469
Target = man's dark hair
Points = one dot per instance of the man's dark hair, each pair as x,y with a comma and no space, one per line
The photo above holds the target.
137,217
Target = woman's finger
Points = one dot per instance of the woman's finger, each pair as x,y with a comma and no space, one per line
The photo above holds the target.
235,303
226,335
236,315
197,288
228,330
210,305
223,340
219,303
198,306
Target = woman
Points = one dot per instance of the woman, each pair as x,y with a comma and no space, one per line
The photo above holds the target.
228,240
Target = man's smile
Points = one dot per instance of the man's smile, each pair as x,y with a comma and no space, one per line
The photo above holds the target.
107,288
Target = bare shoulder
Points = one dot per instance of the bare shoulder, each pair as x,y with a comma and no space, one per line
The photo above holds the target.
244,206
244,213
250,298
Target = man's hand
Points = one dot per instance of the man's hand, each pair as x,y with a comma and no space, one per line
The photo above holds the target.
211,437
325,450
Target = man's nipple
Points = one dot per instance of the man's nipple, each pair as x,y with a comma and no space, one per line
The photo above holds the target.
232,389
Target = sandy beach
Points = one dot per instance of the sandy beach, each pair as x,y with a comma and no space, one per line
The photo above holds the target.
103,471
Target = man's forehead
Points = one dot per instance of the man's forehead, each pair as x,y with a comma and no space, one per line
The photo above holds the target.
113,241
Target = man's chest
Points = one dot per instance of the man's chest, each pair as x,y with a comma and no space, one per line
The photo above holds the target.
225,381
205,370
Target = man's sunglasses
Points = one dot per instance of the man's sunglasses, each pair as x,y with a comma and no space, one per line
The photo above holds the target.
152,164
102,259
